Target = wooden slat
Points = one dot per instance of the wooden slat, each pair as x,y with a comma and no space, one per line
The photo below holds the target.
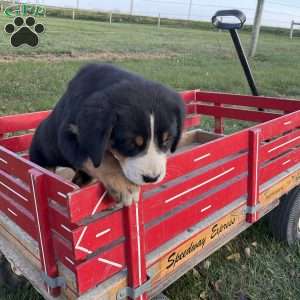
160,233
64,252
279,165
179,193
20,122
95,199
280,145
279,126
16,189
13,165
250,101
200,156
17,166
59,190
237,114
17,143
18,215
100,268
61,224
101,232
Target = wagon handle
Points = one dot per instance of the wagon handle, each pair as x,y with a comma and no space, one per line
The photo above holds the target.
217,19
233,27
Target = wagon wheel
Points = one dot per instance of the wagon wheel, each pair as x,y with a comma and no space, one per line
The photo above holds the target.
285,218
9,276
160,297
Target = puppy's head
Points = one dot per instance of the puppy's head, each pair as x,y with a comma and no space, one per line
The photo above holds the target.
140,124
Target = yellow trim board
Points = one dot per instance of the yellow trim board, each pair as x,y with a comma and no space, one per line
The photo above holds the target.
176,257
280,188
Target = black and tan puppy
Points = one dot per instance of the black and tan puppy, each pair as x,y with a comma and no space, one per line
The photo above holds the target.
114,126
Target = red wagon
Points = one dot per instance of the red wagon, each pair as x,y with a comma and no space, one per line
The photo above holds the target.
71,242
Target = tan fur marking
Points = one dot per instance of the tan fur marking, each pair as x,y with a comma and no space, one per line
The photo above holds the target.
111,175
139,140
166,136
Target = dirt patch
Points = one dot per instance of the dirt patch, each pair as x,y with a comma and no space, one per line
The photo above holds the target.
105,56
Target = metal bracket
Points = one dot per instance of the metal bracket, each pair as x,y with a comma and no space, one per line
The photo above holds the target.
252,209
54,282
134,293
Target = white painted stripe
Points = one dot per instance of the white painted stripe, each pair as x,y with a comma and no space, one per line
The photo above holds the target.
39,226
199,185
81,236
99,202
65,228
85,250
138,243
202,157
286,162
12,212
13,191
103,232
206,208
69,260
62,195
4,161
109,262
281,145
287,123
78,247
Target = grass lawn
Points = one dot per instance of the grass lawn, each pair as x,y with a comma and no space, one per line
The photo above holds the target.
33,80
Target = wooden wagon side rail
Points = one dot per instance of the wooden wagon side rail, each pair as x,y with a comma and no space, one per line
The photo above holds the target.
285,105
21,122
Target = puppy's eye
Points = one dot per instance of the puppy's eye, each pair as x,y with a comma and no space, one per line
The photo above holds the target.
139,141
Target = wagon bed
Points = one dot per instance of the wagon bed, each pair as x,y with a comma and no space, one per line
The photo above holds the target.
71,242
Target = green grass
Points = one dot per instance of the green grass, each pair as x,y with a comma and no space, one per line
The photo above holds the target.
189,59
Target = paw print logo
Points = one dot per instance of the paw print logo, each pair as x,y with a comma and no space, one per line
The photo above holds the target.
24,32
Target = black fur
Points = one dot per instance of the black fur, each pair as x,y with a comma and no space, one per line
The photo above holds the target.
108,106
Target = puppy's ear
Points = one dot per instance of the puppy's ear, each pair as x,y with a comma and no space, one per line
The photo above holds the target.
86,132
95,124
180,115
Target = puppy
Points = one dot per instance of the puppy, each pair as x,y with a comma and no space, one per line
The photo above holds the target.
113,126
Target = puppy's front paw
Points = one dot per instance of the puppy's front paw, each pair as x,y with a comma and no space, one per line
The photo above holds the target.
125,192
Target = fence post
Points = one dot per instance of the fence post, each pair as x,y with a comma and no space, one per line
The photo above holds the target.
291,30
41,214
256,27
158,21
73,14
253,174
110,18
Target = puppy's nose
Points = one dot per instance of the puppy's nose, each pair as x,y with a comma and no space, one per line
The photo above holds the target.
150,179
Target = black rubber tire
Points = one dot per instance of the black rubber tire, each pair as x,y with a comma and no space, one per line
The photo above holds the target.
8,278
284,219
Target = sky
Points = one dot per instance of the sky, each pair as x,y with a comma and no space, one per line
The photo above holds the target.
277,13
